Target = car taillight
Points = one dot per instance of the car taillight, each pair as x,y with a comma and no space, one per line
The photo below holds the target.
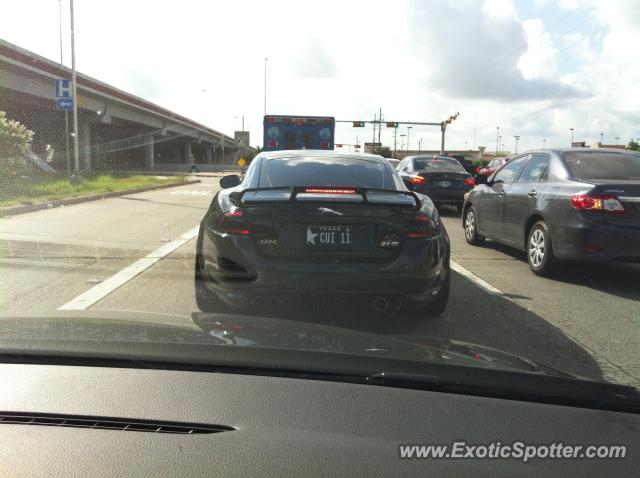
330,190
273,144
423,227
417,180
231,223
324,145
469,182
589,202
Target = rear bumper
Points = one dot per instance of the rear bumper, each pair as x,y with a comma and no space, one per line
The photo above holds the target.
414,274
595,242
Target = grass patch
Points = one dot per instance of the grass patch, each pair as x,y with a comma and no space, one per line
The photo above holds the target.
15,190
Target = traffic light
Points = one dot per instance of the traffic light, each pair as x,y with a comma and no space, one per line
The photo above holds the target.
392,125
453,118
358,124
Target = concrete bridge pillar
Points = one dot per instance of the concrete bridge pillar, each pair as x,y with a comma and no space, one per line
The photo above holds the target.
149,154
84,145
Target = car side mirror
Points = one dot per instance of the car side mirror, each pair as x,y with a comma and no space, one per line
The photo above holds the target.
230,181
408,184
481,179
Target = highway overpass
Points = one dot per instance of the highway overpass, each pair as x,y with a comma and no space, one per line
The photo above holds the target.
116,130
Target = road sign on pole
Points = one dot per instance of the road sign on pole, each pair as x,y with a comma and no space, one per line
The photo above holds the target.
64,98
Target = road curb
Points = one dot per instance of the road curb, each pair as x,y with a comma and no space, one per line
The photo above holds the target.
24,208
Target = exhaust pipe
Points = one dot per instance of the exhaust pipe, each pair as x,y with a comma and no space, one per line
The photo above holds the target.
259,303
274,302
380,304
395,304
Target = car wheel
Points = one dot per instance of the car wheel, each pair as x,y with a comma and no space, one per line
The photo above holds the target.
439,304
207,301
471,227
540,250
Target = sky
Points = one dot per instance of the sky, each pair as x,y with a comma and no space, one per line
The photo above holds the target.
532,68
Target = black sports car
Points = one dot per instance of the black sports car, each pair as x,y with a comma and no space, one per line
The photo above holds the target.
569,204
441,178
320,223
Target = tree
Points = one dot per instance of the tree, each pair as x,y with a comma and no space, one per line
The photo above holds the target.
383,151
633,146
15,142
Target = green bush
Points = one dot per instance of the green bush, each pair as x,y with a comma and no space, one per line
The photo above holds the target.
15,142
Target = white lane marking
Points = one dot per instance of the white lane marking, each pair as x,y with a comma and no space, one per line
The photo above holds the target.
93,295
474,278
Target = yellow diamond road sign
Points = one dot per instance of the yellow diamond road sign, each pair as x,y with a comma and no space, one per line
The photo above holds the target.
242,162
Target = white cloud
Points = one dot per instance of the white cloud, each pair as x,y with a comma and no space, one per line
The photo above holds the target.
540,60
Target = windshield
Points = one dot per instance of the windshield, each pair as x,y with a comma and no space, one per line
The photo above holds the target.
220,174
438,165
603,165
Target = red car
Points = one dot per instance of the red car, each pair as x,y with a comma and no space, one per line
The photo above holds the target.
492,166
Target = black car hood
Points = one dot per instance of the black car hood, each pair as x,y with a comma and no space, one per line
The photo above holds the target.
254,332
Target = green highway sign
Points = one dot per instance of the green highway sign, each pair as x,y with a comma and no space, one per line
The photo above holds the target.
358,124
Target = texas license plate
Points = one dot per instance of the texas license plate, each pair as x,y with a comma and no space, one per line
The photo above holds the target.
329,237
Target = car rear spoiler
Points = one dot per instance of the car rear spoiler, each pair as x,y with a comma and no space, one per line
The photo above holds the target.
345,195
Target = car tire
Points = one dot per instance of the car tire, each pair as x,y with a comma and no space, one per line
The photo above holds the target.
540,250
439,304
206,300
470,224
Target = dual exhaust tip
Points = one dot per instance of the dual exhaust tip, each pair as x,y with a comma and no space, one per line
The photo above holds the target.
273,302
382,304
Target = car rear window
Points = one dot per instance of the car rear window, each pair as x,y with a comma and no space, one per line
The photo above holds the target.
435,165
587,165
285,172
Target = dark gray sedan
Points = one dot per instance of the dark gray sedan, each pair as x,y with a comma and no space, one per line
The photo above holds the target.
564,204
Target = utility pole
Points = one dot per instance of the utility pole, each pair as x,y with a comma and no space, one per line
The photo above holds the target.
74,90
374,130
380,126
66,113
395,135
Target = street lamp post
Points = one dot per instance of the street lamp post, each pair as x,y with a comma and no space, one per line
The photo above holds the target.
571,129
408,137
66,113
74,92
465,144
402,136
419,145
617,138
544,142
497,139
601,136
395,142
517,138
500,143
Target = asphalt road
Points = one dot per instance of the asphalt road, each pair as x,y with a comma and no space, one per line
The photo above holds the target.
585,321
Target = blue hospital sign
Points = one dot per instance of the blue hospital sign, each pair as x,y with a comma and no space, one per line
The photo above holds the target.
64,100
63,89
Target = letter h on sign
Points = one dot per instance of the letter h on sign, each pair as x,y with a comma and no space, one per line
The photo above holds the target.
63,89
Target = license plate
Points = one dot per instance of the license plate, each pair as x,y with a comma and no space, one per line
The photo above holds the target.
445,184
330,237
